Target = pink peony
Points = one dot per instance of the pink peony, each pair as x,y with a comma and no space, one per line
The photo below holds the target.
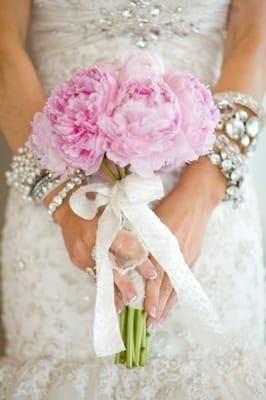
42,141
136,66
199,113
143,129
73,110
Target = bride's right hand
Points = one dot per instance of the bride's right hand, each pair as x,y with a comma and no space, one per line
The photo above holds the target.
80,235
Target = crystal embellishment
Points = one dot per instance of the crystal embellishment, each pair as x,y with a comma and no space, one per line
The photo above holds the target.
143,21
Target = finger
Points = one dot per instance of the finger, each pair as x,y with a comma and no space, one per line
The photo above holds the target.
147,269
165,291
126,287
153,291
127,245
118,300
151,323
124,284
80,255
171,302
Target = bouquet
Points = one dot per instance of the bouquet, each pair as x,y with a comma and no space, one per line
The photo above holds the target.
130,119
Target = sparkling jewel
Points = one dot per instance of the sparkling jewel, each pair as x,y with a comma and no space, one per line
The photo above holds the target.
226,108
144,21
252,126
227,165
215,159
222,141
234,128
232,191
245,140
236,175
220,125
242,115
241,99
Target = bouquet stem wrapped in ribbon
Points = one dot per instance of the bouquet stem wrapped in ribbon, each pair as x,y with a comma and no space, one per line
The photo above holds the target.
145,121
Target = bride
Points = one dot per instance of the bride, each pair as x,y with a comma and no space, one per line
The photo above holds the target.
48,303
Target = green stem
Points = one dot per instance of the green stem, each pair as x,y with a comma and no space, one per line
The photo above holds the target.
139,324
122,323
108,171
124,335
130,337
144,345
118,171
122,172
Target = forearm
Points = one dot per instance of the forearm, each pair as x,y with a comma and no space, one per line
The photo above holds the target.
244,61
243,71
21,94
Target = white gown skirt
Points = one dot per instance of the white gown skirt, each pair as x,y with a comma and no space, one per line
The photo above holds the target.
48,308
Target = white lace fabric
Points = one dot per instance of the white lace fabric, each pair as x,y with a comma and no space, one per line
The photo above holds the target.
48,304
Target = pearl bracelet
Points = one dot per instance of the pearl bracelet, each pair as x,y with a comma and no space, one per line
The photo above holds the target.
24,175
58,200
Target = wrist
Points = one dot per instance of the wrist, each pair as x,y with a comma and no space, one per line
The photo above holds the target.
203,181
61,210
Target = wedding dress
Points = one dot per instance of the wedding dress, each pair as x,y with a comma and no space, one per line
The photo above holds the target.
48,303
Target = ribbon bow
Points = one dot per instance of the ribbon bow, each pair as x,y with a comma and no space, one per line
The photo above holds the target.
129,199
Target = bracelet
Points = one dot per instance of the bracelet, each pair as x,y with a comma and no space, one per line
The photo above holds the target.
25,175
58,200
238,124
238,131
44,186
24,172
233,166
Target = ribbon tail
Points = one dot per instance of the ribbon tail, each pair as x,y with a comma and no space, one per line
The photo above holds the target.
106,332
196,309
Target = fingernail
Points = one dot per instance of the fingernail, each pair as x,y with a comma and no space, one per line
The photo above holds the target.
151,325
152,274
153,311
162,320
131,297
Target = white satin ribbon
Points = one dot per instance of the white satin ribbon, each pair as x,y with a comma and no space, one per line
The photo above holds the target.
129,199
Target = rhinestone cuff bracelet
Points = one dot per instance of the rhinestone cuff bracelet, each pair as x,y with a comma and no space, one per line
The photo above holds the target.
237,130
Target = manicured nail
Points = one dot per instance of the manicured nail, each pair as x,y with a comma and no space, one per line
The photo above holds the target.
131,297
153,311
152,274
151,325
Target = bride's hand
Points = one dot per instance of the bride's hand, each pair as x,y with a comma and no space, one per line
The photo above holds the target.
186,211
80,236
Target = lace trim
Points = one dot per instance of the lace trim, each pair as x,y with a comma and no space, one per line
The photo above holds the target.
200,374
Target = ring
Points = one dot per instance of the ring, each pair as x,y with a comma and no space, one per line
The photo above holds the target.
93,253
91,271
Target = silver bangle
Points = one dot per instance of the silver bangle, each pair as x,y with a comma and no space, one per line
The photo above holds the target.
242,99
44,186
58,200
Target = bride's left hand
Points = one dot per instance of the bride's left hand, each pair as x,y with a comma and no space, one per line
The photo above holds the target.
186,211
